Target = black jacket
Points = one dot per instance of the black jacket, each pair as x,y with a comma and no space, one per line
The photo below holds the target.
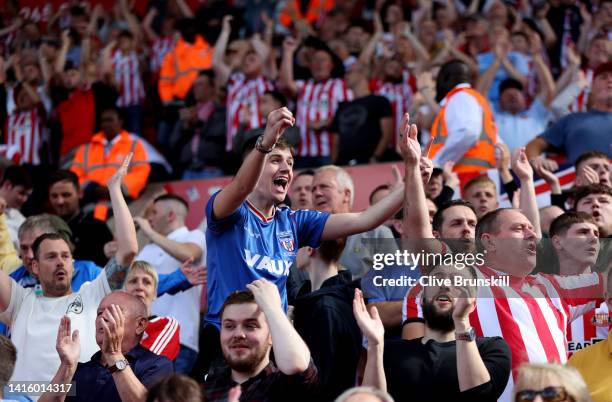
325,321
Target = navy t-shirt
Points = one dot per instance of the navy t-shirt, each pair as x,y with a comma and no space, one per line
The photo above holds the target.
578,133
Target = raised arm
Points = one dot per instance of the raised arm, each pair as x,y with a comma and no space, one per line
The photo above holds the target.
222,70
286,82
147,29
342,225
486,79
545,78
68,348
372,328
234,194
471,370
5,280
290,351
529,202
185,9
60,61
178,250
125,232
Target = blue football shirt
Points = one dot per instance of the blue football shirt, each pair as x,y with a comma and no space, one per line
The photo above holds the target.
246,246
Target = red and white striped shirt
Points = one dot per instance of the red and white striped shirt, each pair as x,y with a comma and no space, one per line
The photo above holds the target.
318,101
400,95
162,337
243,100
582,332
159,48
581,102
24,135
127,75
531,314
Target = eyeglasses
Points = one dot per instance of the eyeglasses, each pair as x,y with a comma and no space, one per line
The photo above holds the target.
549,394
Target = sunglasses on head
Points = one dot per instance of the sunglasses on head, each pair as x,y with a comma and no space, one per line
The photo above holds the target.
548,394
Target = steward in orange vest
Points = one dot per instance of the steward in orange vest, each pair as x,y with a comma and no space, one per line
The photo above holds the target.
182,65
481,156
100,158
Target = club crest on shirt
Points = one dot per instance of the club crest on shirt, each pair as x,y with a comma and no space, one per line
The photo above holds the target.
76,306
286,240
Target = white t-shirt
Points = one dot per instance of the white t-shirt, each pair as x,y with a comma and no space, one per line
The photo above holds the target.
184,306
34,321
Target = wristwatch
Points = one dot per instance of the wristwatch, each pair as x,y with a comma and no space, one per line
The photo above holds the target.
468,336
260,147
119,365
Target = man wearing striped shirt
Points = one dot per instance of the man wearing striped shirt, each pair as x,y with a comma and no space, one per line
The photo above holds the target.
245,87
574,236
317,101
533,312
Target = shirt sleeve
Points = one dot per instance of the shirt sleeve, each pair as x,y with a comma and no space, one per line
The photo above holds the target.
411,309
307,381
463,118
495,355
384,107
18,295
98,288
160,368
218,226
555,135
580,293
310,225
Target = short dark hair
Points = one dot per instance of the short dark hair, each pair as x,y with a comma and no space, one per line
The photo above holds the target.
17,176
237,297
331,250
47,236
377,189
8,357
172,197
306,172
178,388
64,175
520,33
436,172
560,225
585,191
438,218
589,155
509,83
489,223
278,96
126,33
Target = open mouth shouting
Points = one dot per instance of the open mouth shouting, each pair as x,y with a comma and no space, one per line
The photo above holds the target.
281,183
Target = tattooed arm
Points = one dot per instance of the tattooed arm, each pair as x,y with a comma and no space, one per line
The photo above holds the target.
125,232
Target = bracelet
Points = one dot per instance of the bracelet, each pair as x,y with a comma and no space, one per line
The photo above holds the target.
259,146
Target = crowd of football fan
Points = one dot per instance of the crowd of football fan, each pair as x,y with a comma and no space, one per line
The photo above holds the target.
284,292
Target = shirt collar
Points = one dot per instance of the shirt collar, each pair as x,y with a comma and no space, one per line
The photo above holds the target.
464,85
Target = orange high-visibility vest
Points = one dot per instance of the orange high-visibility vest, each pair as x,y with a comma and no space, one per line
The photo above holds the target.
91,164
482,154
292,11
181,66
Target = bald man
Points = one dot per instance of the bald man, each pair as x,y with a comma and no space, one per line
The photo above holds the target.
172,244
122,369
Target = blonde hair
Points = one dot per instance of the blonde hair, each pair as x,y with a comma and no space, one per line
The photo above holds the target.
381,395
147,269
538,376
343,178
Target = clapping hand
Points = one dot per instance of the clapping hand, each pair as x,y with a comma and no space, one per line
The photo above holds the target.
195,275
409,147
112,322
370,323
117,178
67,343
521,166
